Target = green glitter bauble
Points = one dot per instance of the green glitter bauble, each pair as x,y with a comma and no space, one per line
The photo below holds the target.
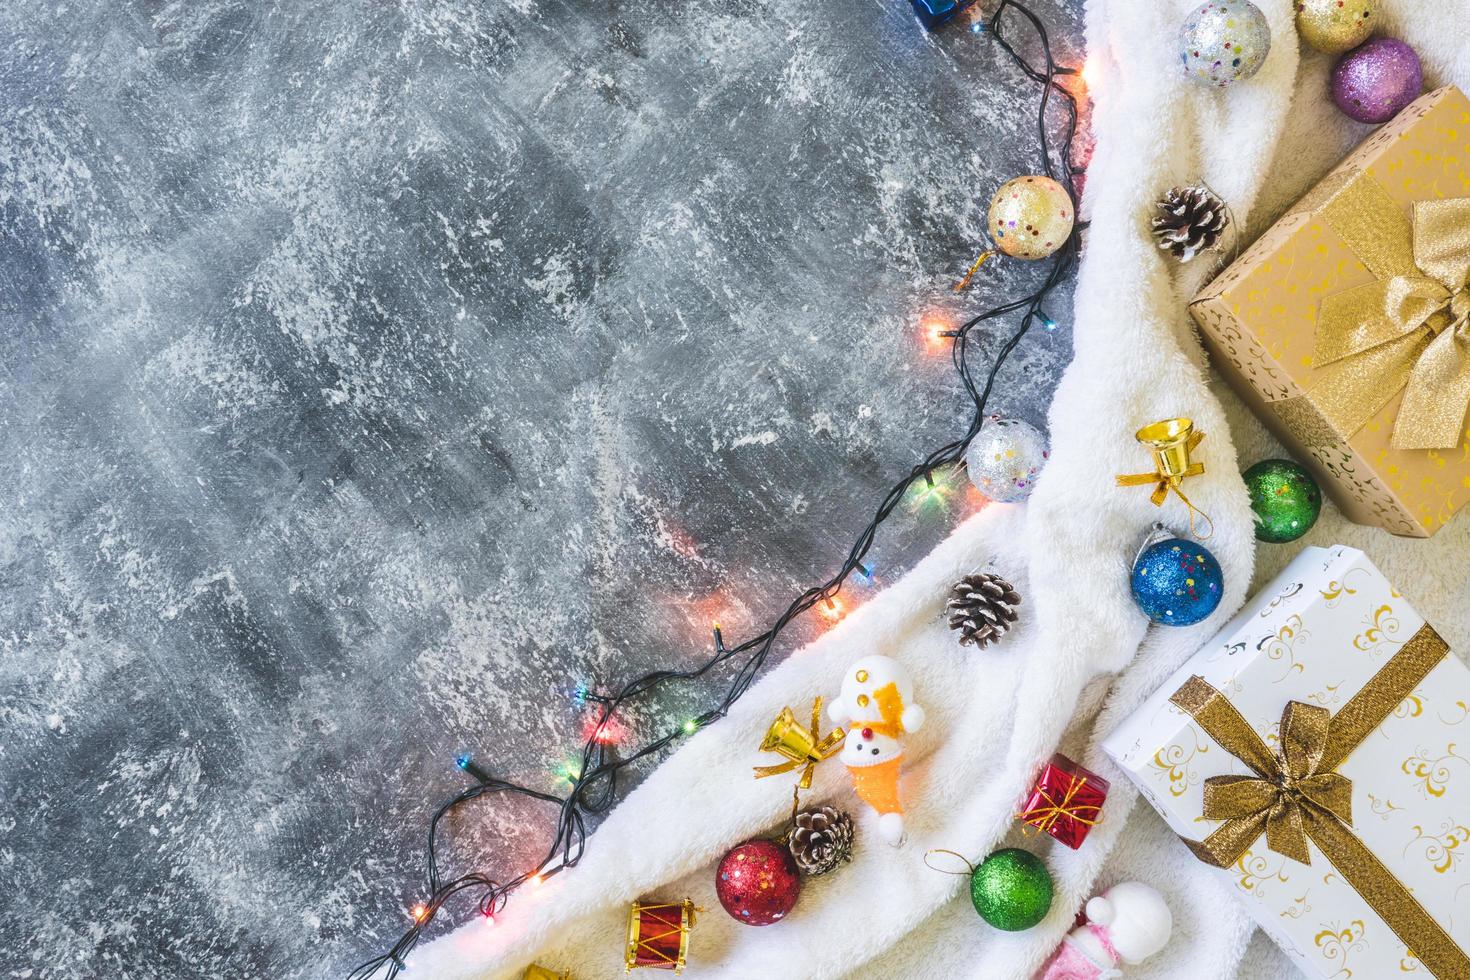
1285,498
1011,889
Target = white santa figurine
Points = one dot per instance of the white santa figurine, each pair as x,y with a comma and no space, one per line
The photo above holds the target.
1126,924
877,707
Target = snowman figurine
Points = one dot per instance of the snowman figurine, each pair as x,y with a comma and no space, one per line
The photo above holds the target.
877,707
1126,924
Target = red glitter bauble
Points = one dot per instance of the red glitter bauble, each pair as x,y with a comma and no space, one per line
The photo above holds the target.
757,882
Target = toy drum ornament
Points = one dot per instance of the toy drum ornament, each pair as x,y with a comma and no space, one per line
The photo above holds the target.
658,935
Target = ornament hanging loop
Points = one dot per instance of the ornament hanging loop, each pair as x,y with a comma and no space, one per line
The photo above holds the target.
1205,521
795,809
969,868
980,260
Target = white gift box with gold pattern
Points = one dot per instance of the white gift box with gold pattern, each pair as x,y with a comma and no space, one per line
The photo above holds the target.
1327,721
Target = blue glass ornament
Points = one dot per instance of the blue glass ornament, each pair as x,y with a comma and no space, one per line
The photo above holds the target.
1177,582
936,13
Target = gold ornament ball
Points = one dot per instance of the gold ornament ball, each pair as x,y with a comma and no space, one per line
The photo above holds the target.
1030,217
1335,26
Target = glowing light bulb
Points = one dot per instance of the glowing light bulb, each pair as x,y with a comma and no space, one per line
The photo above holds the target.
489,919
832,609
420,912
931,492
604,731
691,726
1090,72
463,760
935,329
536,880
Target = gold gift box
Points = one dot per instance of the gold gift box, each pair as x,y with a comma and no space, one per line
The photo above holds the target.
1287,325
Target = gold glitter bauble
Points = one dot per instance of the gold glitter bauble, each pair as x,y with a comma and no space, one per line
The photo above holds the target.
1030,217
1335,26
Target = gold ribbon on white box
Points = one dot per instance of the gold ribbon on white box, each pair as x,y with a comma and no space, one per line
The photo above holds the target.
1296,794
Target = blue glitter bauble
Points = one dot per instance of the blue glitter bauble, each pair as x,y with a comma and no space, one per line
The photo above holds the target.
1177,582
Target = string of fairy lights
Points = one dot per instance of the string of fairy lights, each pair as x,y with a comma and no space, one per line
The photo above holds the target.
593,776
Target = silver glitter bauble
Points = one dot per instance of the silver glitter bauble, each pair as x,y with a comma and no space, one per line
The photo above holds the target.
1224,41
1005,458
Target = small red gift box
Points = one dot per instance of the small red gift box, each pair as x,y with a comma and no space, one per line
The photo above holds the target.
1066,801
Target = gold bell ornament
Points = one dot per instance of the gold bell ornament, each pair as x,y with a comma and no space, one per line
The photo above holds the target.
538,972
819,839
802,747
1172,441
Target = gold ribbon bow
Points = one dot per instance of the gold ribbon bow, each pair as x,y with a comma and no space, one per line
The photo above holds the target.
1172,441
1408,331
800,745
1297,795
1045,817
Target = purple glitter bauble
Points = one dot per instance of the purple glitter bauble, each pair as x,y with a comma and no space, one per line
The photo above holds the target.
1372,83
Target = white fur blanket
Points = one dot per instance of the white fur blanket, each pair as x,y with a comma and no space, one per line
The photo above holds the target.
1083,656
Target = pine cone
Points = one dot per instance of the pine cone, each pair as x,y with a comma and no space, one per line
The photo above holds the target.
1190,220
982,607
821,839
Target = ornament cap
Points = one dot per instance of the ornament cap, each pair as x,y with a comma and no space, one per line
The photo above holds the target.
1158,531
